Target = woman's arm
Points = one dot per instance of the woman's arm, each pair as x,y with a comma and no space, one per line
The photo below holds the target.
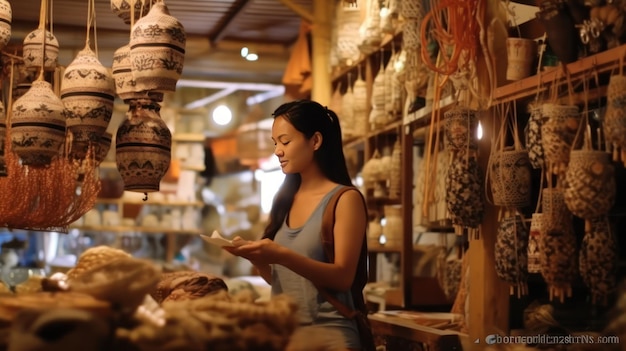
264,270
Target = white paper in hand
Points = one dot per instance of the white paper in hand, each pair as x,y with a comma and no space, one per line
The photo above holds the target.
217,239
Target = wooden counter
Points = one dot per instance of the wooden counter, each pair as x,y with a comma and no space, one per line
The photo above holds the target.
386,325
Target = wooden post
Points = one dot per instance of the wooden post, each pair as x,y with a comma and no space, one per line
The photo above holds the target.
323,13
488,295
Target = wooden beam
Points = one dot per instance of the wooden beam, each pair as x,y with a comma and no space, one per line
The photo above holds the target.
303,13
323,11
239,7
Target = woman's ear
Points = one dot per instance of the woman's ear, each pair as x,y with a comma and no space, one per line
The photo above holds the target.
317,140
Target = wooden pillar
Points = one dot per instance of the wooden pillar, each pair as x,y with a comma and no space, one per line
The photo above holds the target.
323,14
488,295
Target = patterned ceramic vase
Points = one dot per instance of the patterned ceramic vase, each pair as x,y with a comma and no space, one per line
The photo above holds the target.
87,91
33,50
460,129
558,132
3,136
511,252
534,238
38,125
464,194
6,16
143,147
615,116
510,178
157,50
532,135
122,8
599,260
590,184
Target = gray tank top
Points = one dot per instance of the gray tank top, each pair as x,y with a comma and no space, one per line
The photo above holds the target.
312,307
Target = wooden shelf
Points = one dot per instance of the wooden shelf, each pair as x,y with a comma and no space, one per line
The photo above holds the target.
378,248
188,137
422,117
122,201
602,62
136,229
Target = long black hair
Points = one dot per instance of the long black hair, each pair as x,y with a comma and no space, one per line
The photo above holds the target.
309,117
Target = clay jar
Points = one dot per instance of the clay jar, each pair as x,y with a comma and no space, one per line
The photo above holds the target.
143,147
38,125
87,91
157,50
590,184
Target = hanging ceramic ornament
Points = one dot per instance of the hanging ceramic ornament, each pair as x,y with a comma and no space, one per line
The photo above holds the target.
6,15
88,92
124,9
157,50
38,125
143,147
40,47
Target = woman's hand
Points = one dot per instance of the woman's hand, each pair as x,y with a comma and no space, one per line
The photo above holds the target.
264,251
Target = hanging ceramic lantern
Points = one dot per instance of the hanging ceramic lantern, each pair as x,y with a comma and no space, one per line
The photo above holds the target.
103,146
3,135
143,147
6,16
33,50
88,92
122,74
157,50
123,8
38,125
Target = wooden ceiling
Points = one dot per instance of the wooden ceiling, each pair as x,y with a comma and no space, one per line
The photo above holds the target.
216,32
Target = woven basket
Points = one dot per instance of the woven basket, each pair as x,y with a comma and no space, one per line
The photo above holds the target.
348,23
599,260
511,253
615,117
510,178
371,34
464,193
395,174
411,9
558,132
532,134
590,184
347,114
361,108
534,238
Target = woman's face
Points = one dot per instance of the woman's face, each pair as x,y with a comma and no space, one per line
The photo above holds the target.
293,149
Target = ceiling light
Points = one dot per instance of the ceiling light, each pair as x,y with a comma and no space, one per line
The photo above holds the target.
244,51
252,57
222,115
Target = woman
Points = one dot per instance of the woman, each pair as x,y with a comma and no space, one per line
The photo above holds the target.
290,257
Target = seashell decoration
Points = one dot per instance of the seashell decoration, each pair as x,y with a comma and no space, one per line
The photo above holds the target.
88,92
33,50
123,9
511,253
6,16
157,50
599,260
38,125
143,147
